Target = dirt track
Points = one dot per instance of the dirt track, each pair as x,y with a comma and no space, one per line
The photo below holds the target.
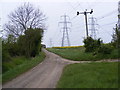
44,75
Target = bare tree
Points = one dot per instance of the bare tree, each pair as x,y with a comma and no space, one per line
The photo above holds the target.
25,16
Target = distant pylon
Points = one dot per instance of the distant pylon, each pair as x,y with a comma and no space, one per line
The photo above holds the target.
93,24
119,15
64,29
51,42
1,31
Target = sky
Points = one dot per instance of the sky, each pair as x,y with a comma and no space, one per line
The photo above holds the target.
105,14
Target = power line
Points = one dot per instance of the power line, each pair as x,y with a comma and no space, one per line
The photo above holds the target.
73,17
73,8
89,6
106,15
79,5
71,5
105,31
93,5
109,23
65,28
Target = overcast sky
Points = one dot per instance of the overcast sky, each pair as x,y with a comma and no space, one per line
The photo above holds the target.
104,12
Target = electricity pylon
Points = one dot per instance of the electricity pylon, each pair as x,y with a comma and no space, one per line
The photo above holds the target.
65,29
93,24
119,15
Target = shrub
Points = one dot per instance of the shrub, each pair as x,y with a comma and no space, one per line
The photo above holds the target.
13,49
5,54
105,49
91,45
4,68
10,46
116,38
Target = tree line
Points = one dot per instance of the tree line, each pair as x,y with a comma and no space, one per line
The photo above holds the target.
24,32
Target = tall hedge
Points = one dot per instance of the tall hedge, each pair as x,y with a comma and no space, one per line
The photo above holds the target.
30,43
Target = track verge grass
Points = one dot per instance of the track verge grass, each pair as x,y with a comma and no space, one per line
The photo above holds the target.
78,54
90,75
25,66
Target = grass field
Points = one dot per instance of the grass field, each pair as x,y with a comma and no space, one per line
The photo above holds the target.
20,65
89,75
78,54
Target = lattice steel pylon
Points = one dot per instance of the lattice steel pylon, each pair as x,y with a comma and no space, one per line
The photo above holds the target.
119,15
93,24
51,42
65,29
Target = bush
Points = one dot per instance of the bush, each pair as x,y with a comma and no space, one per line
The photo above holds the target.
10,46
5,54
96,46
91,45
105,49
116,38
4,68
13,49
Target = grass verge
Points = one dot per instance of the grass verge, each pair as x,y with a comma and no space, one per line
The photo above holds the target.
78,54
25,65
90,75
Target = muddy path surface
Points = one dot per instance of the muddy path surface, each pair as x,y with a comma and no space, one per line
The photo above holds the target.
44,75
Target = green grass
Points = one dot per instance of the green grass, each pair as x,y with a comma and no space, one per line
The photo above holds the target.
15,61
23,65
89,75
78,54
